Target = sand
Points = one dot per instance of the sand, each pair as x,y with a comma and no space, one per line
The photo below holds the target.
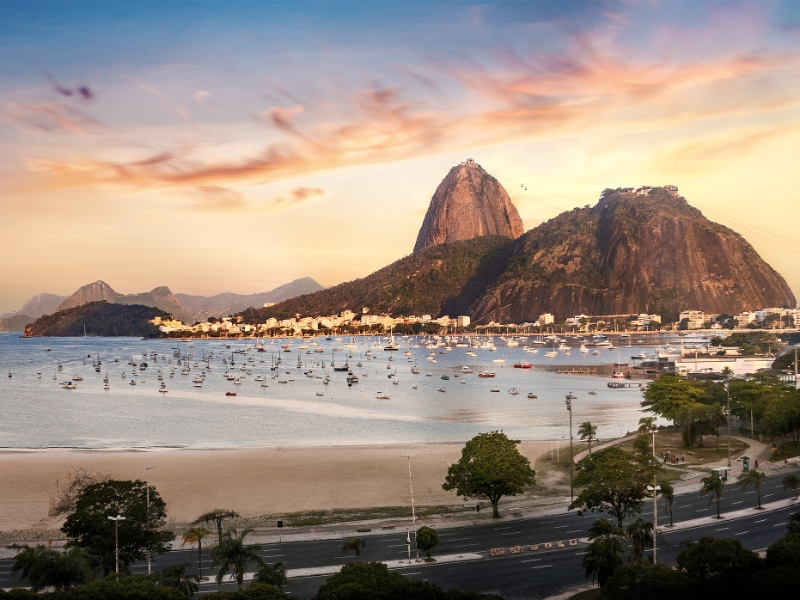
252,482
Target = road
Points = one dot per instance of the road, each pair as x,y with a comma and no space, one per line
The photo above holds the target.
526,575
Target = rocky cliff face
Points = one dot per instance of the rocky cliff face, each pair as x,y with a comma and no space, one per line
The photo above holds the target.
91,292
631,254
468,203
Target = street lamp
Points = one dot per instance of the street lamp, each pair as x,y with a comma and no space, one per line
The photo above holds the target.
654,431
116,520
569,408
413,512
147,485
655,491
728,392
408,545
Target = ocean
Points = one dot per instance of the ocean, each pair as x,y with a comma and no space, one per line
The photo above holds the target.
38,413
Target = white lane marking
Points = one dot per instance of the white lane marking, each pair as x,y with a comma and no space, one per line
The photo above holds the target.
531,560
458,539
500,528
510,533
542,567
722,529
417,573
742,532
465,545
761,521
575,531
768,495
702,509
739,502
561,527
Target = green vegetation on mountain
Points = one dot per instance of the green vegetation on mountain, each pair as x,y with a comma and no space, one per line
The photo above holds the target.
16,322
100,319
443,279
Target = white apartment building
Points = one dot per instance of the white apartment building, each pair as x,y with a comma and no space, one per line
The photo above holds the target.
695,318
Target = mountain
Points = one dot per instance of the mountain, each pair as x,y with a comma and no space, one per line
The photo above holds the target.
99,318
38,305
160,297
202,307
631,253
15,322
441,279
468,203
91,292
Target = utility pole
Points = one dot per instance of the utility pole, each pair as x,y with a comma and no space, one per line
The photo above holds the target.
728,391
413,513
116,520
147,485
571,488
655,489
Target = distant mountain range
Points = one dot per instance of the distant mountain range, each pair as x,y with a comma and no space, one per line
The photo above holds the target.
187,308
636,251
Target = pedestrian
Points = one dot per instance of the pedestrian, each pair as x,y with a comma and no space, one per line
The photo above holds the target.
478,507
756,467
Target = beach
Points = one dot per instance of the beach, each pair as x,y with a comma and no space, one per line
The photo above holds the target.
252,481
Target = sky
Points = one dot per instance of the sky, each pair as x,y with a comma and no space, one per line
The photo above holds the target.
234,146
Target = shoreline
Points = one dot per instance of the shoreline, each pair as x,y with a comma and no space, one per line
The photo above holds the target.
252,481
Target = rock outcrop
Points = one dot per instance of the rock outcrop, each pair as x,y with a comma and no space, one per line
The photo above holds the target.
91,292
631,253
468,203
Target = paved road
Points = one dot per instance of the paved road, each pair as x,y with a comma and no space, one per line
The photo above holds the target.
526,575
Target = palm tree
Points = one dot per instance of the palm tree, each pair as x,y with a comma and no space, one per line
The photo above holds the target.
587,430
712,485
194,536
216,516
353,544
271,575
646,424
640,534
754,478
668,493
175,576
234,556
603,555
791,481
69,568
34,563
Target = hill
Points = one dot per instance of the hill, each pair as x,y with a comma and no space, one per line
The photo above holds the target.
468,203
14,322
441,279
202,307
99,318
631,253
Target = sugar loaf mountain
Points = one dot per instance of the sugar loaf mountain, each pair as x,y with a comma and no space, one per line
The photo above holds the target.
635,251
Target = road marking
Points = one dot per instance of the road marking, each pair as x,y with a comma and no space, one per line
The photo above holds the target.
722,529
702,509
417,573
581,553
542,567
465,545
458,539
561,527
761,521
510,533
575,531
779,525
531,560
273,555
739,502
398,546
500,528
741,532
768,495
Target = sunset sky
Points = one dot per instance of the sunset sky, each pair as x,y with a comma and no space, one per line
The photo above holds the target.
235,146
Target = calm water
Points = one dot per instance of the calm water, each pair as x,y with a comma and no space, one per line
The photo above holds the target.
37,412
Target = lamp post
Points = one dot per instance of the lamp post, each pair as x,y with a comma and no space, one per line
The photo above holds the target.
147,486
728,393
413,513
571,489
655,490
408,544
653,432
116,520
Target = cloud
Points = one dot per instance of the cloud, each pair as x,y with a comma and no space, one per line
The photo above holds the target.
296,196
200,96
53,116
217,198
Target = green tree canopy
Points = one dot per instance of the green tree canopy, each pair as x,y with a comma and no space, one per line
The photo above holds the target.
715,558
88,526
216,516
491,466
427,539
604,554
614,481
235,557
642,580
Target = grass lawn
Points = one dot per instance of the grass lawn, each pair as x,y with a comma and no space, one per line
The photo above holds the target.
587,595
669,439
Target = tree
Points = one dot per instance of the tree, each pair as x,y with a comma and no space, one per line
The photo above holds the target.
755,478
716,418
640,535
668,493
715,558
427,539
353,544
712,485
490,466
614,481
140,534
216,516
791,481
175,576
604,554
234,556
587,431
193,536
44,567
646,424
271,575
642,580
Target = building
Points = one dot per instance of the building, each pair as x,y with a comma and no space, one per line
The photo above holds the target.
546,319
462,321
695,319
704,364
